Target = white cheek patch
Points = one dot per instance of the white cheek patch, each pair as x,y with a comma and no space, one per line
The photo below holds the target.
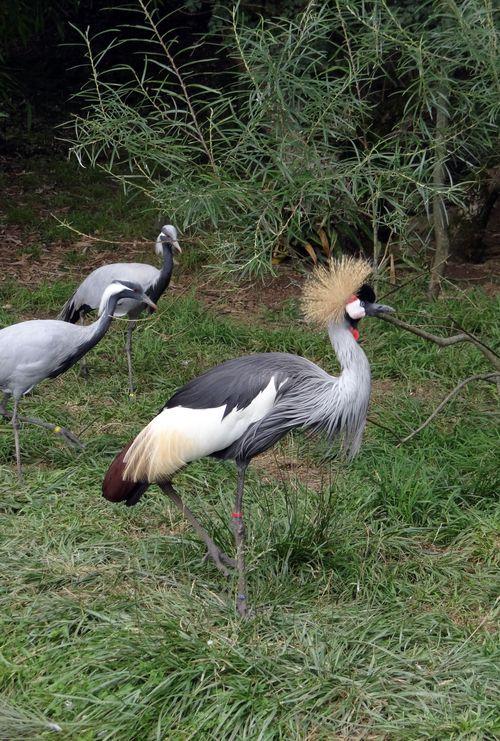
355,310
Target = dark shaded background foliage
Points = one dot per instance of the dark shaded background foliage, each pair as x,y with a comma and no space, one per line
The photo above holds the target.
40,65
40,55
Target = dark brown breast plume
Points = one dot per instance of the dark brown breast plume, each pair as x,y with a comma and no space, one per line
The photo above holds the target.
115,489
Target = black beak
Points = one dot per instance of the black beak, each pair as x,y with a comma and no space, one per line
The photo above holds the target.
377,309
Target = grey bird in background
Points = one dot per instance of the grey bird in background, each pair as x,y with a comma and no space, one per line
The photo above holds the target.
44,348
154,282
242,407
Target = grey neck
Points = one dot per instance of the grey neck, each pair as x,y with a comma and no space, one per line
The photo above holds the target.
351,357
89,336
354,385
98,329
163,280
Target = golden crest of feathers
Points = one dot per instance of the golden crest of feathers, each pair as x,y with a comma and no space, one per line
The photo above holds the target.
328,289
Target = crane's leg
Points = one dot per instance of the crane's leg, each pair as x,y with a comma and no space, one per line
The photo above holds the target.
66,434
15,427
218,557
84,369
239,537
128,350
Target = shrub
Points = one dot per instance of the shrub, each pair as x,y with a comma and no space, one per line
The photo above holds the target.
340,118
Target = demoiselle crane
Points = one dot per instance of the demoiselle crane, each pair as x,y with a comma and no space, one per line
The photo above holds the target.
44,348
244,406
154,282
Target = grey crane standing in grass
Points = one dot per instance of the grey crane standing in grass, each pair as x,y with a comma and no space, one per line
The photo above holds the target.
44,348
154,282
244,406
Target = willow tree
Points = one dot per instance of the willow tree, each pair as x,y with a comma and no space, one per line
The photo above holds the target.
354,116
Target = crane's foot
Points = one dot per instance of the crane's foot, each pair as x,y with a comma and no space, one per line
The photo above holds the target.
241,606
68,436
220,559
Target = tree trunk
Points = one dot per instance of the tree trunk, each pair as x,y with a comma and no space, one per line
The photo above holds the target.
440,219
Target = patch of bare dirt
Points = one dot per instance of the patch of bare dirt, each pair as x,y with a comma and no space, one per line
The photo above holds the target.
25,259
245,300
486,274
286,466
51,263
383,386
389,387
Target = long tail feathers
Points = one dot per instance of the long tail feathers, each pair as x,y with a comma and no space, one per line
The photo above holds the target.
115,489
156,453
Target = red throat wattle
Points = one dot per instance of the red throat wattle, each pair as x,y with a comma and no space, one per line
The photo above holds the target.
355,333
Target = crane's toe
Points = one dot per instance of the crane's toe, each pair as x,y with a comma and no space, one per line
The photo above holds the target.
231,562
69,437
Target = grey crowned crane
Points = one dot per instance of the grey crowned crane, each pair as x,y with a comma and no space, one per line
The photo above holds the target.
44,348
244,406
154,282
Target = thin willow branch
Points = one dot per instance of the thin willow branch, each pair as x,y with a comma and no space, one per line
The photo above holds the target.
354,74
177,73
472,338
478,377
93,67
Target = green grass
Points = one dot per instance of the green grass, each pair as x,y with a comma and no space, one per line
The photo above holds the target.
50,187
374,598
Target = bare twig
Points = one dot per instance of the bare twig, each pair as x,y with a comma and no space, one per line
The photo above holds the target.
479,377
91,238
383,427
445,341
472,338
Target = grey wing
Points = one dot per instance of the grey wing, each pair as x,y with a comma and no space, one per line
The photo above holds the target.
315,401
87,296
312,401
236,383
261,436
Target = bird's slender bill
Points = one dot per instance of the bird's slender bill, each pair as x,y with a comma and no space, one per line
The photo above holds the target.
376,309
148,301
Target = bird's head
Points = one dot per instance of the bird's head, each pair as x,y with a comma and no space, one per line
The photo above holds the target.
362,304
121,289
338,294
168,235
